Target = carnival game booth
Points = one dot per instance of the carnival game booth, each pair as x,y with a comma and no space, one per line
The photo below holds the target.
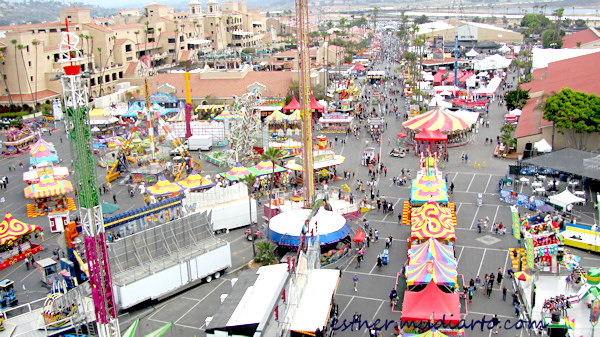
455,127
208,111
323,160
418,275
431,304
292,106
35,175
17,141
431,249
316,108
426,188
49,195
431,221
335,122
581,236
164,189
15,241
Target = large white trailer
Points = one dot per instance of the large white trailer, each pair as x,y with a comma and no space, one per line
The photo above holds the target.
166,259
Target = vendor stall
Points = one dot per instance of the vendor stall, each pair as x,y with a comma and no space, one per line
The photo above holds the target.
15,241
237,172
432,221
335,122
442,274
428,188
164,188
431,249
431,142
56,172
430,304
49,195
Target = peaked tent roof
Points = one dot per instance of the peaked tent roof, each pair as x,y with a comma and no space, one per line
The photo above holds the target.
11,228
294,105
565,198
432,136
314,105
431,301
437,120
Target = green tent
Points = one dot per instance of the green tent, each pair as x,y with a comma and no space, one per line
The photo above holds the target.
130,332
161,331
108,208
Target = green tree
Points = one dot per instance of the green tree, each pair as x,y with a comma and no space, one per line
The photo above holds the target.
516,99
265,253
421,19
575,114
552,39
506,136
249,181
36,44
21,48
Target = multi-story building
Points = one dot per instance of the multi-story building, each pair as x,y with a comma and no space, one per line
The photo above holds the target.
121,48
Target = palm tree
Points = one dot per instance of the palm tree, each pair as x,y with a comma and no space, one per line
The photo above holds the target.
249,180
3,75
147,23
113,39
272,155
14,42
22,47
159,36
137,32
36,44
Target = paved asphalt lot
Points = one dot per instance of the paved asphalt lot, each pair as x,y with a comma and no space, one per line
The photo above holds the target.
476,253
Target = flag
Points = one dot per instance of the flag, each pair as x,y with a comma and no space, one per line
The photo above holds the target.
570,323
23,285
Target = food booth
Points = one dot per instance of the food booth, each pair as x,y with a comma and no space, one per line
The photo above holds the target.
15,241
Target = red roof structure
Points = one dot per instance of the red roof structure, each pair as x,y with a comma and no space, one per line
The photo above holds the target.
432,136
314,105
584,36
577,73
294,105
359,67
437,78
431,301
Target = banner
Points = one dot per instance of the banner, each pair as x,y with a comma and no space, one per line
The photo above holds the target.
520,199
516,222
529,252
438,48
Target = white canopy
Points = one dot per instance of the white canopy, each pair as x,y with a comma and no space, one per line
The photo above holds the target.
472,53
495,61
565,198
516,112
467,115
439,101
504,49
542,146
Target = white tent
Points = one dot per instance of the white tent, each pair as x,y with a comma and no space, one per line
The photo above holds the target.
439,101
467,115
495,61
504,49
516,112
542,146
565,198
472,53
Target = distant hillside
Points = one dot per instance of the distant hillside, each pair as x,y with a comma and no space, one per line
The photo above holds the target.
16,13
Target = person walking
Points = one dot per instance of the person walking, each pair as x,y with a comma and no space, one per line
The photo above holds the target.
379,262
499,278
355,321
27,263
358,258
355,280
115,198
495,323
504,291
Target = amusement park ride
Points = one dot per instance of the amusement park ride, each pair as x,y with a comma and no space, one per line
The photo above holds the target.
78,124
122,162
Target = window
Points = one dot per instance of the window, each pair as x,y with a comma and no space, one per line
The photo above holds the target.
56,57
106,78
114,76
48,57
31,78
120,74
150,30
150,39
27,46
29,63
68,16
92,82
171,40
171,50
181,39
127,48
129,59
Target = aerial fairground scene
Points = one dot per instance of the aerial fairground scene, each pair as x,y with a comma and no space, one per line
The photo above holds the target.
299,168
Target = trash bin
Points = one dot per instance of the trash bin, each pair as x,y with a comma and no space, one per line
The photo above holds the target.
384,257
479,199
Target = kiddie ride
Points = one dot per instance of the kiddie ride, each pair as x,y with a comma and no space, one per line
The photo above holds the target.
7,291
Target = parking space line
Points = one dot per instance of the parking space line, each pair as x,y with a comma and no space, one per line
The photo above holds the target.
395,204
367,274
376,312
360,298
459,255
474,217
496,249
458,208
488,183
486,313
504,270
472,178
347,304
481,264
495,215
